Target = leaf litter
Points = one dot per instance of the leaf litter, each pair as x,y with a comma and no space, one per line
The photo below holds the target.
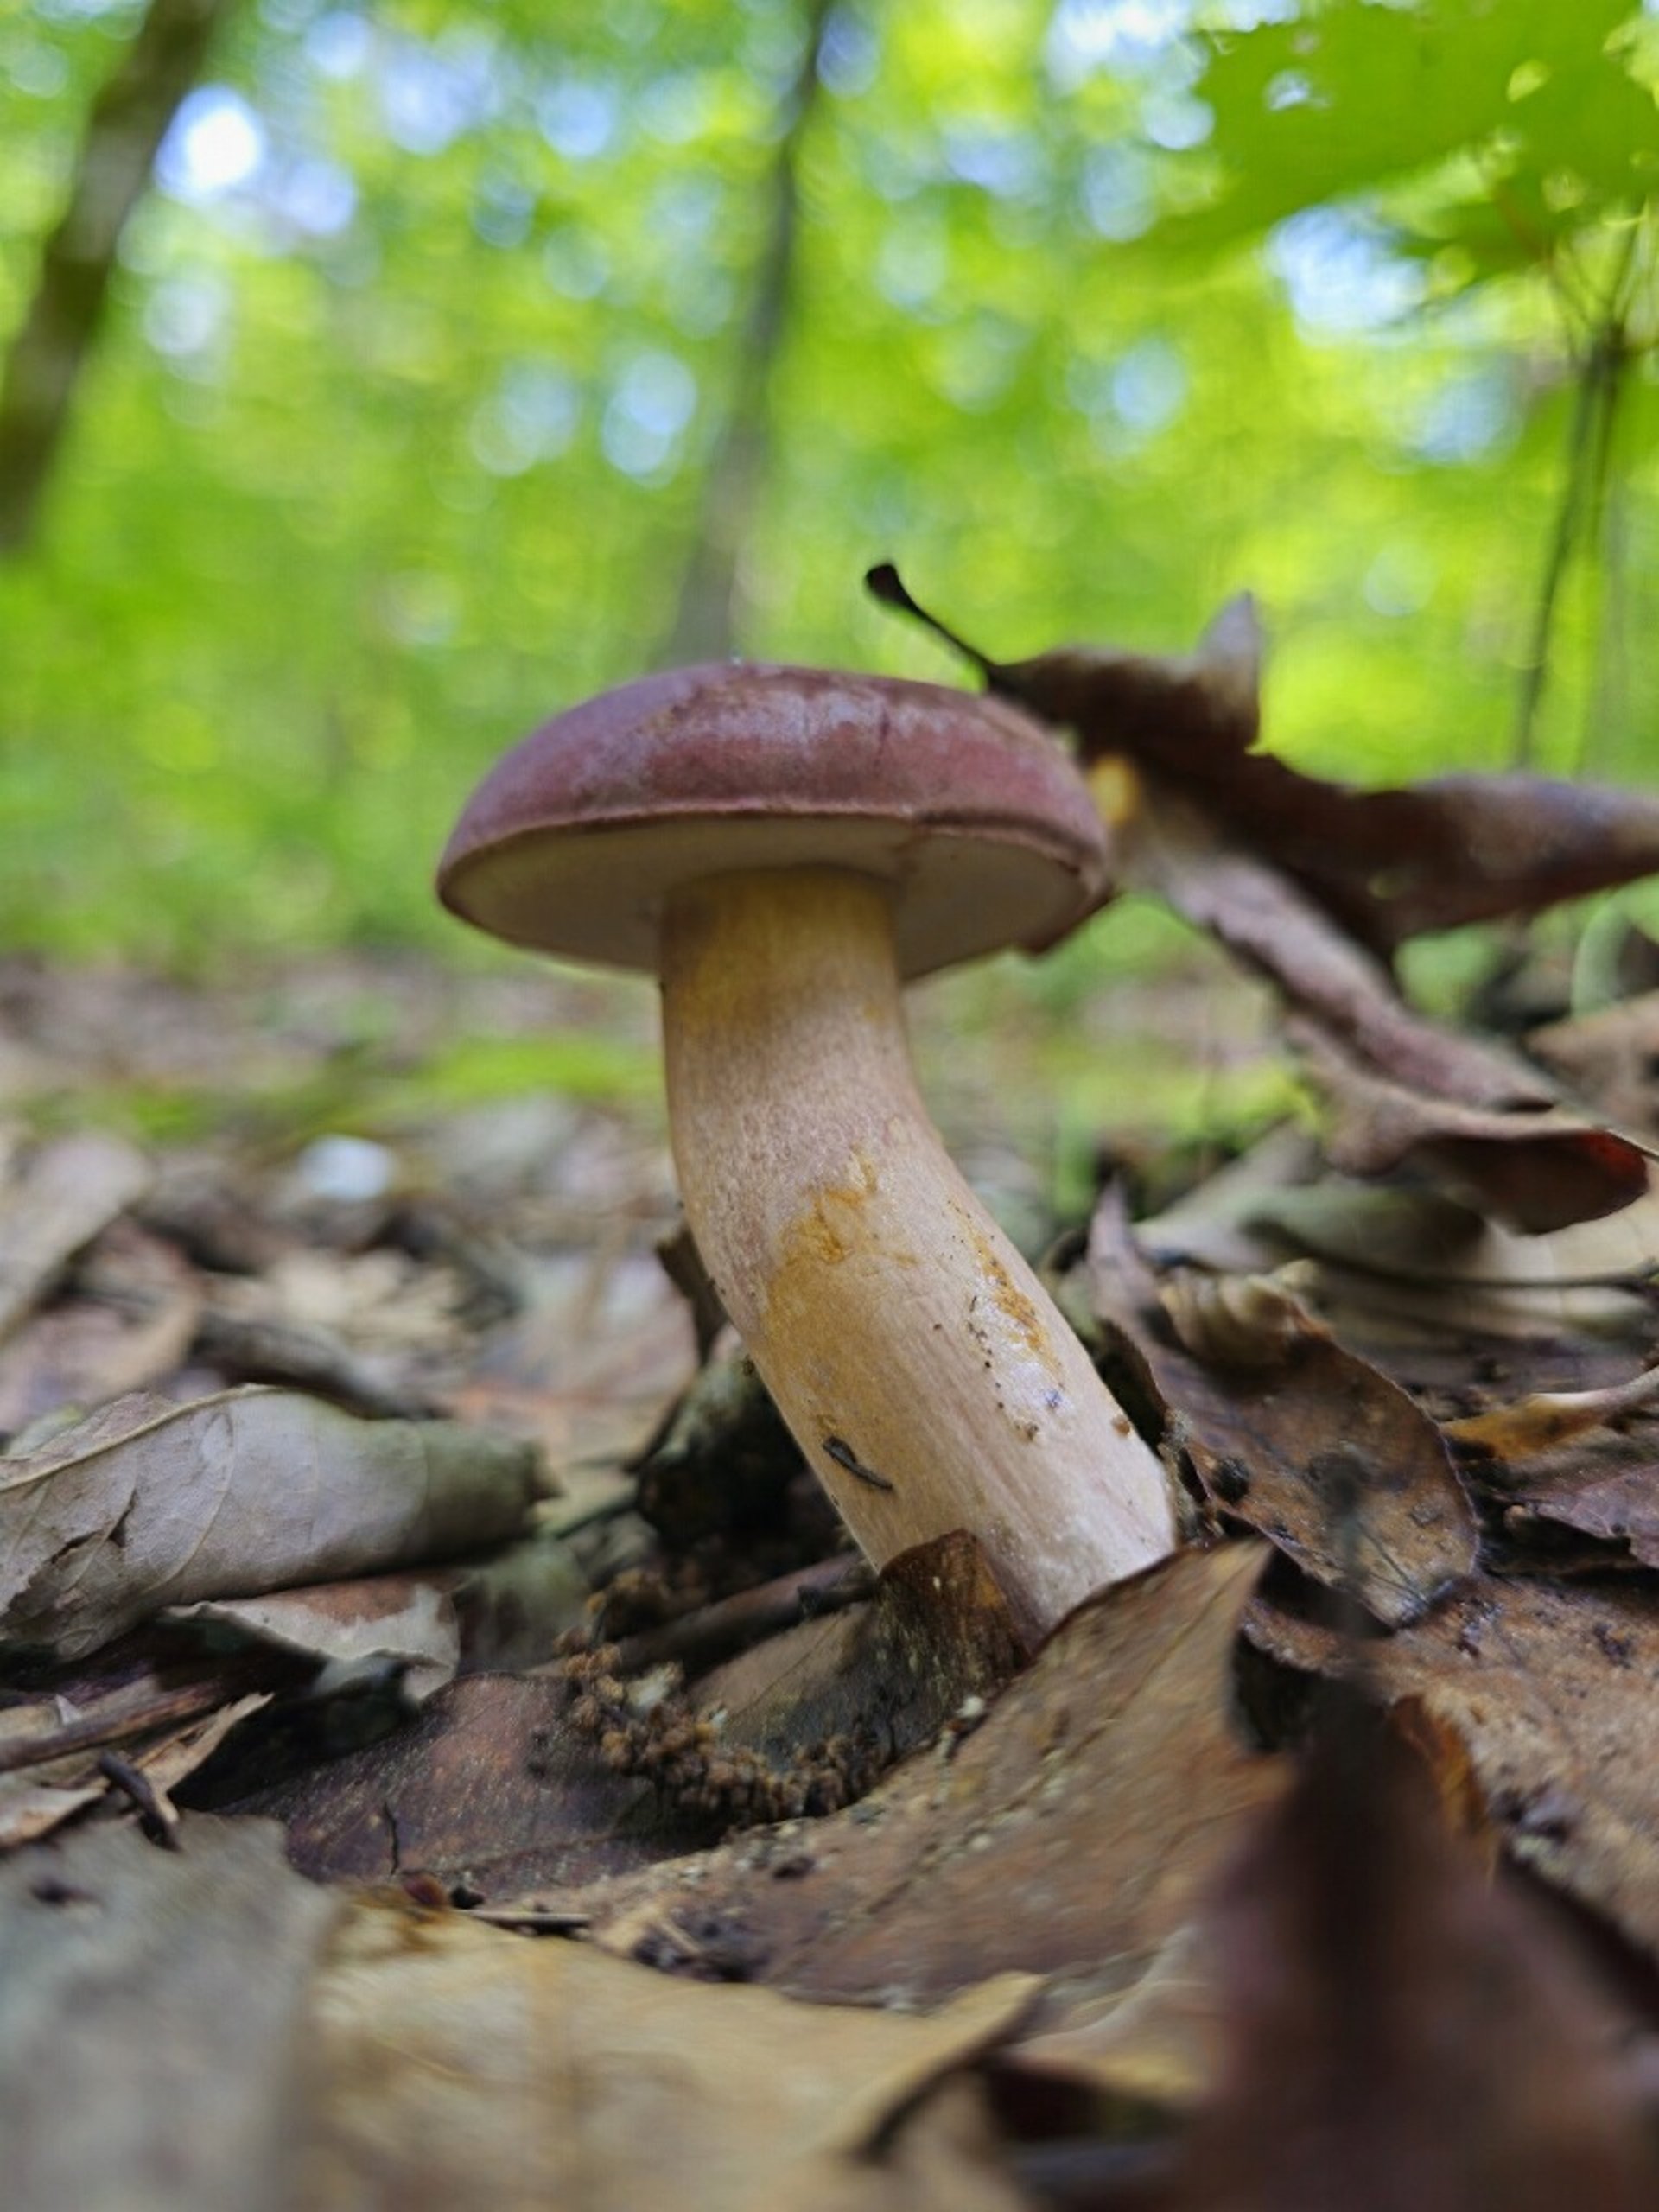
1103,1897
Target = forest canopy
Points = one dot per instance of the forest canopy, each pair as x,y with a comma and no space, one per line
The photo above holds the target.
449,362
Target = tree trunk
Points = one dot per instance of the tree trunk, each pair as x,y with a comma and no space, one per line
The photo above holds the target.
127,122
709,616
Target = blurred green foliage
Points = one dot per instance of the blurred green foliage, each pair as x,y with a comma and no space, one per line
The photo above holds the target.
1099,310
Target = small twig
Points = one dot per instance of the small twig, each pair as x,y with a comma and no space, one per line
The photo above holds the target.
116,1720
714,1632
530,1919
160,1815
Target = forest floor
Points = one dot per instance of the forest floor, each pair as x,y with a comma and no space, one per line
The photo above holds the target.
385,1582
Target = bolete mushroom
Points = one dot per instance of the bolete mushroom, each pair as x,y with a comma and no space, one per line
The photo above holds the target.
782,847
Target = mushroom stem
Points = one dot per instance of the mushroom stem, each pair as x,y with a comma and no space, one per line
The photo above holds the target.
924,1370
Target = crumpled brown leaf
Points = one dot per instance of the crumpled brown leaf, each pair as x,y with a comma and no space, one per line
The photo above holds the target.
1069,1832
1314,885
430,1624
1554,1688
461,2069
202,2028
1388,864
1404,2030
61,1200
147,1505
1269,1427
1401,1086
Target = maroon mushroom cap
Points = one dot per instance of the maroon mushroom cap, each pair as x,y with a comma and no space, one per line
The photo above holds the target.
968,808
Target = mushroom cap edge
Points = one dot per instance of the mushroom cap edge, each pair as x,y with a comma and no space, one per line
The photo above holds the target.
968,807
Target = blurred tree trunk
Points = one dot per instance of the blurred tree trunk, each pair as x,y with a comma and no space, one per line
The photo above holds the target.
126,124
709,616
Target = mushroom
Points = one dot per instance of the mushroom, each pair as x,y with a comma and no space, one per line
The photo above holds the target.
782,847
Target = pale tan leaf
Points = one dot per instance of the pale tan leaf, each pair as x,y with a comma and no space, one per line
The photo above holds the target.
152,2019
461,2069
150,1504
72,1188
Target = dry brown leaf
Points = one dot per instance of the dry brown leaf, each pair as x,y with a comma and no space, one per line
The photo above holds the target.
1407,1268
1547,1418
241,2037
1532,1165
1610,1056
1405,2034
403,1621
462,2070
501,1612
1169,848
1071,1831
1273,1441
494,1786
1553,1687
1387,863
488,1786
1617,1505
1157,2045
153,2020
1402,1085
1313,884
71,1189
148,1504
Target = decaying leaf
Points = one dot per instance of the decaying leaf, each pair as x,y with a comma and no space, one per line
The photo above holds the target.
404,1621
1532,1166
1386,864
1313,885
1554,1688
937,1633
461,2069
1618,1510
148,1504
1405,2034
200,2027
1544,1419
1069,1832
430,1624
488,1786
1402,1087
1269,1437
72,1189
153,2020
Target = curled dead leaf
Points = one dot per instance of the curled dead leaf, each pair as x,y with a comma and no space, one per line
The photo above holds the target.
1278,1439
148,1504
